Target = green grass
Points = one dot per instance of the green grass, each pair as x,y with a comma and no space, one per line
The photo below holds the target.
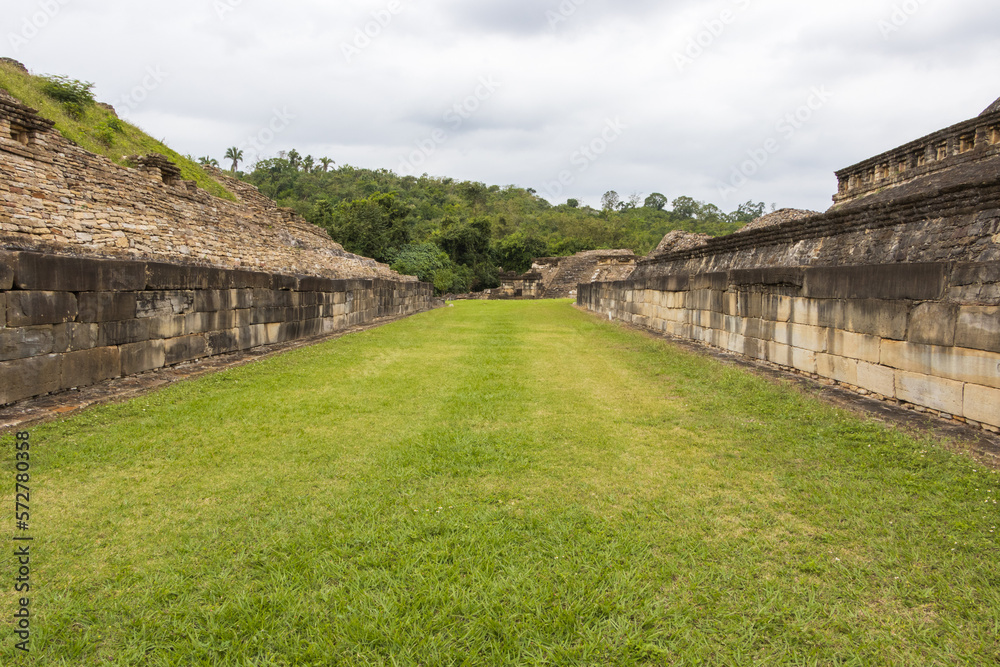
86,130
501,483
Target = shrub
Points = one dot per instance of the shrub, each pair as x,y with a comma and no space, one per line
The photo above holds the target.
74,95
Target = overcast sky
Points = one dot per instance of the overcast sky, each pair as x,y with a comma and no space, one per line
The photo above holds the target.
722,100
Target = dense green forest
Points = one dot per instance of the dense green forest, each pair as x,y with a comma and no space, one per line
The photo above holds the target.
461,235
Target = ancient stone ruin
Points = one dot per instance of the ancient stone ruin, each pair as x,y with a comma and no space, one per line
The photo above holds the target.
894,292
108,271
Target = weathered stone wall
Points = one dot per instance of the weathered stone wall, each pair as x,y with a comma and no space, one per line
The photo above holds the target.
561,275
70,321
927,335
57,197
952,217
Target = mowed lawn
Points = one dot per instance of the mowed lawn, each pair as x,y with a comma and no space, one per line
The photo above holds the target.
500,483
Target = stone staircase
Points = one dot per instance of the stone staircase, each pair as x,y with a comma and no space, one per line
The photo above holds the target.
585,267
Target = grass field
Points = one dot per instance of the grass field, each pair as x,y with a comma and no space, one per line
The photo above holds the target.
500,483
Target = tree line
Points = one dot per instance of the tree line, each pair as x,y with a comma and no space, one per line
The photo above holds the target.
460,235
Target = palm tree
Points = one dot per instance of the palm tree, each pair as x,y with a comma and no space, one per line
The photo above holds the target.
236,155
326,162
208,162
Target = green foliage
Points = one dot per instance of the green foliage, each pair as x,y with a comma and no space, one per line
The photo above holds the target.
482,227
374,227
98,130
73,94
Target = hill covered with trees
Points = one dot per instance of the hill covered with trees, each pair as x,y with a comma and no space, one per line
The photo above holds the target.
460,235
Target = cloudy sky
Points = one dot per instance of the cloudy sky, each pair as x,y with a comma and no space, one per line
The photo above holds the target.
722,100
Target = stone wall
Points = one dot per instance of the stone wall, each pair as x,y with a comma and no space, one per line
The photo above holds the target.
57,197
927,335
966,143
561,275
70,322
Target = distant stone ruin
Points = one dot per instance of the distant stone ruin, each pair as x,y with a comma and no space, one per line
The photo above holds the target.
893,293
561,275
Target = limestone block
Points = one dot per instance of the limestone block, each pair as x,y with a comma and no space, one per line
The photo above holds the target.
979,328
7,264
243,317
107,306
87,367
25,309
167,326
62,337
142,357
730,303
44,272
185,348
776,308
780,354
877,379
918,282
804,360
841,369
162,276
956,363
211,300
22,342
737,343
122,333
886,319
222,342
737,325
160,303
807,337
805,311
83,336
933,324
3,309
982,404
932,392
243,299
781,332
34,376
854,346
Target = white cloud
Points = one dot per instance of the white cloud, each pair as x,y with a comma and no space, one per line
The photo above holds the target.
688,127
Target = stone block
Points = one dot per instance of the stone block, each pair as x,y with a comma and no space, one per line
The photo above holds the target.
854,346
8,262
34,376
185,348
25,309
243,299
162,276
62,337
917,282
886,319
83,336
791,276
779,353
167,326
216,300
22,342
222,342
60,273
710,281
933,324
982,404
160,303
807,337
979,328
141,357
209,321
107,306
3,309
975,273
87,367
956,363
804,360
776,308
877,379
122,333
932,392
841,369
